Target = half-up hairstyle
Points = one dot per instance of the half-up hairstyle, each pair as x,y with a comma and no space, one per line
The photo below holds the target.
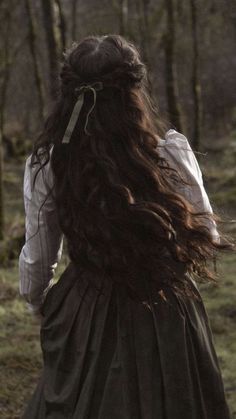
115,195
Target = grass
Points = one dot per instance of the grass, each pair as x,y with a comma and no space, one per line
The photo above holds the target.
220,303
20,353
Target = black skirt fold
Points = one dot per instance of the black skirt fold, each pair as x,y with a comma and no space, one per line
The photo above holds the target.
110,357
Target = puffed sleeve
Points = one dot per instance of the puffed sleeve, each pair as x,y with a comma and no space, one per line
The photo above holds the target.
43,237
177,150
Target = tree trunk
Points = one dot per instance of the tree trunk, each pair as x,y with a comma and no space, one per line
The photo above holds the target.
52,45
123,17
1,189
62,25
196,85
74,19
32,46
143,13
171,76
3,96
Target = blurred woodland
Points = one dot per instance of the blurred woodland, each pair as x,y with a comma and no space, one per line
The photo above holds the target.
189,49
188,46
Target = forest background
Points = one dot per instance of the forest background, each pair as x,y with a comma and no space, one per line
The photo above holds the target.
189,48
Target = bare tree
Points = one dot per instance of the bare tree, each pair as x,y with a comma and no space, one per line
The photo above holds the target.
5,75
52,44
144,28
170,73
196,84
32,46
62,24
123,15
74,11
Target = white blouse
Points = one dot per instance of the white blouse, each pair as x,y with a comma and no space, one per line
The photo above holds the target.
43,245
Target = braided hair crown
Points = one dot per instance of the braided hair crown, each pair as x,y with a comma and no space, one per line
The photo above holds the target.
109,59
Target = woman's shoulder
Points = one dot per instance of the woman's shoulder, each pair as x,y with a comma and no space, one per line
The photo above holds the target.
176,148
175,138
177,144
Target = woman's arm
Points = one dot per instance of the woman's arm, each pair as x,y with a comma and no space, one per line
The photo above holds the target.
43,238
177,150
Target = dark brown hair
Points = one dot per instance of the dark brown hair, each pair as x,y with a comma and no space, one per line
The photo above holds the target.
115,196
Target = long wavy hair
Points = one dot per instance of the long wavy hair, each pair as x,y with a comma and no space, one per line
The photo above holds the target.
115,195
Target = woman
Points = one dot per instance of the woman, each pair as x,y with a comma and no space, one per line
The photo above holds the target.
124,332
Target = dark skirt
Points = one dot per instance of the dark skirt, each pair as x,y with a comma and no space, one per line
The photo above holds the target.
110,357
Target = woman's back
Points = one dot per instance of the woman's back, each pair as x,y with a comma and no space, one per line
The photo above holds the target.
124,331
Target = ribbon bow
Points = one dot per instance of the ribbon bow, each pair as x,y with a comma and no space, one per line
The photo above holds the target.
95,87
